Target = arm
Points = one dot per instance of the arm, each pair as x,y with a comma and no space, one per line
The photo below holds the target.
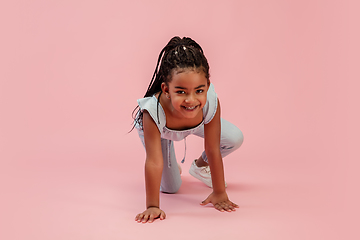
212,132
153,170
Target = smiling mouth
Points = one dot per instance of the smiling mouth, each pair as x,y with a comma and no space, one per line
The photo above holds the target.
190,108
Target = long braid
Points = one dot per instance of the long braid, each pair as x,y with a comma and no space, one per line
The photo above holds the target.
179,53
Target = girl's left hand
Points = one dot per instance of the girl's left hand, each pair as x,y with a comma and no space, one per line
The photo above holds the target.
220,201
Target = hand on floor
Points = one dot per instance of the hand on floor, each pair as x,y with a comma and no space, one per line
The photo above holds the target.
150,214
220,201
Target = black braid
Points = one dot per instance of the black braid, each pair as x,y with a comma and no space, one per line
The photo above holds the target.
179,53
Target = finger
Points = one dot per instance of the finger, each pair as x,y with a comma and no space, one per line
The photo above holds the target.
231,205
139,217
219,207
145,218
206,201
151,219
225,206
232,208
162,215
234,204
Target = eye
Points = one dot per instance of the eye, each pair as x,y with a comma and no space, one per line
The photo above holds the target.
180,92
200,91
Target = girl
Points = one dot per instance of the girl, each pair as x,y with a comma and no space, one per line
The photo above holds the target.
180,101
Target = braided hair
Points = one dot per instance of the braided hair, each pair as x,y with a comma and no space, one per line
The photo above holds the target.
178,54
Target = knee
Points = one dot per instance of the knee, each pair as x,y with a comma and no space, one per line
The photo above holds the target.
237,138
170,190
231,135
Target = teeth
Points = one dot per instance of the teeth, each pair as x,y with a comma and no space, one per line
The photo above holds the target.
190,108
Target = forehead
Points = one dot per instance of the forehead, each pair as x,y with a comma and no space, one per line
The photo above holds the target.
188,79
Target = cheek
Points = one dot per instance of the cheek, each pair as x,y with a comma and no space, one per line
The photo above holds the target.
203,100
176,101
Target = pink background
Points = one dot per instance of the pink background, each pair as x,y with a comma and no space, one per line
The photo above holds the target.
285,72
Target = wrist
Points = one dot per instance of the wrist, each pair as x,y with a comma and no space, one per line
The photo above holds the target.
152,207
219,191
218,188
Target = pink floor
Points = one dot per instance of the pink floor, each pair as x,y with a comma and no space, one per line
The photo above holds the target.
92,188
286,73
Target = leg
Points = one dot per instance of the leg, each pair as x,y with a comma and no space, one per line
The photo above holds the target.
170,179
200,162
230,140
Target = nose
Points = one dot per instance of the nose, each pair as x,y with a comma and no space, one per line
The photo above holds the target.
190,98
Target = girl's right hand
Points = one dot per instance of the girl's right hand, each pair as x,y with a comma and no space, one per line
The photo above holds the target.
150,214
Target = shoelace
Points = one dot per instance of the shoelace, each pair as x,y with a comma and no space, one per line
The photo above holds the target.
206,169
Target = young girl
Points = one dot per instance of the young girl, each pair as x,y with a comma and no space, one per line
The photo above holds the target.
180,101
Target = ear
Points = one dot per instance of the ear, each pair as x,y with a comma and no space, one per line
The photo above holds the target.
164,88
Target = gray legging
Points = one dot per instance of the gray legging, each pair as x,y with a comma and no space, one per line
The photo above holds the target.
230,140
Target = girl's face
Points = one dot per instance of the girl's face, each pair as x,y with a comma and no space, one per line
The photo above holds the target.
187,92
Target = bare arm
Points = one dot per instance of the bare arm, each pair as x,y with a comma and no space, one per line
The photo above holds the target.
154,161
153,171
212,132
218,197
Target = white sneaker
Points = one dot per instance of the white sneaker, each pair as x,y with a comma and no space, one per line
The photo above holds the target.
201,173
